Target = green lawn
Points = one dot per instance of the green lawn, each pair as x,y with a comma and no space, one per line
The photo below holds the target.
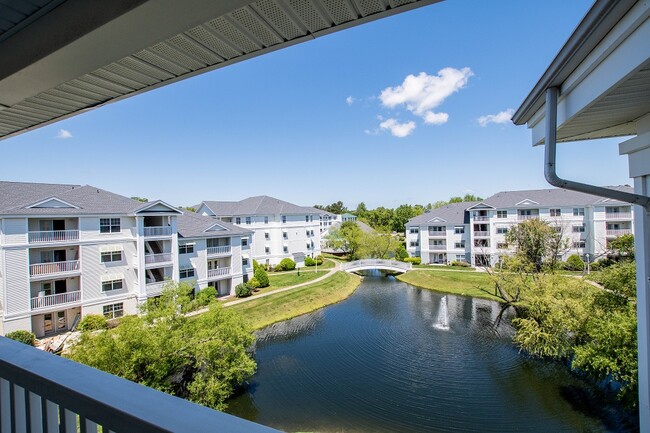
447,268
457,283
287,279
286,305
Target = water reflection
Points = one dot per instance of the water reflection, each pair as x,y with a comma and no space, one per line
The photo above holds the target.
375,363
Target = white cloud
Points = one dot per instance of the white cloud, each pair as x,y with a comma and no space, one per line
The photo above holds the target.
63,134
398,129
502,117
350,100
435,118
422,93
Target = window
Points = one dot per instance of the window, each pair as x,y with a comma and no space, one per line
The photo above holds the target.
414,243
187,273
556,212
307,233
186,249
238,220
111,256
437,242
436,228
308,246
244,261
248,220
460,244
284,219
267,236
578,211
557,229
113,311
502,230
414,230
502,214
459,230
311,233
502,245
481,242
460,257
579,244
267,249
285,235
306,218
285,249
578,229
266,220
109,225
244,242
107,286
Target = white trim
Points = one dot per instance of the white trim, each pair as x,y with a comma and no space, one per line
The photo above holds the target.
35,205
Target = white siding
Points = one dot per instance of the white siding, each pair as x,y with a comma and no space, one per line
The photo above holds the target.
17,281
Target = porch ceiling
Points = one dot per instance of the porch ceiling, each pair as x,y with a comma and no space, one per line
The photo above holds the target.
63,57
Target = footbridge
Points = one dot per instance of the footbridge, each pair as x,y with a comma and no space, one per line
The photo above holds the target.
367,264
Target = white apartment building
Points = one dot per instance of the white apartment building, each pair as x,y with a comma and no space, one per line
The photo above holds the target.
475,231
71,250
281,229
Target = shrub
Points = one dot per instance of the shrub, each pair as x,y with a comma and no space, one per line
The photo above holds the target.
243,290
461,264
285,265
25,337
319,259
401,254
596,266
92,322
574,263
207,295
261,276
254,283
414,260
309,261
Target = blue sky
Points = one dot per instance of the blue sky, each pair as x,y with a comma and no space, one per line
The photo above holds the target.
304,124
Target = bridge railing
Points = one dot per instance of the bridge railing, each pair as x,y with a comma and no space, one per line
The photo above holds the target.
377,263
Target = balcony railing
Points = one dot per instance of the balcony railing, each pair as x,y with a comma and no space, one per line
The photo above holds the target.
158,231
619,232
618,215
53,268
41,392
437,247
481,218
219,272
57,299
157,258
53,236
527,217
213,251
481,234
433,234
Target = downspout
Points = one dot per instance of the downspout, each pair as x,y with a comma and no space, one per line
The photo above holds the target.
550,173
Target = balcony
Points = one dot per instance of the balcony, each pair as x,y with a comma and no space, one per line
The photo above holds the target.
156,231
43,392
54,300
219,251
437,247
53,236
527,217
618,232
219,272
54,268
157,258
481,234
618,215
442,234
481,218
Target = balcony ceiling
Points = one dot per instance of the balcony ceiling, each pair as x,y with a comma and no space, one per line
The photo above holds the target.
63,57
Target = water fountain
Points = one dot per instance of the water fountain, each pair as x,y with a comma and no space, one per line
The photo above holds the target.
443,315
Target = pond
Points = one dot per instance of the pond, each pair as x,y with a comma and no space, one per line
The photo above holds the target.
384,360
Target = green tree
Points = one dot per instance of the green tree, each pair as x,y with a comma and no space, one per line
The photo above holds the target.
535,243
361,210
400,217
202,359
622,248
472,197
140,199
378,246
346,238
261,276
380,218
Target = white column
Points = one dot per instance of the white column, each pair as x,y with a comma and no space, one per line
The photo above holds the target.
141,293
176,268
638,151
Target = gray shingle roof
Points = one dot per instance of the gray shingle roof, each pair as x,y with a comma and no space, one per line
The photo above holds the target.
259,205
191,225
551,197
15,197
453,213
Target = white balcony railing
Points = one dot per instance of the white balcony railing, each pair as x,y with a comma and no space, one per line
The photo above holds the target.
437,234
41,392
481,218
57,299
158,231
53,268
157,258
481,234
437,247
619,232
527,217
213,251
53,236
219,272
618,215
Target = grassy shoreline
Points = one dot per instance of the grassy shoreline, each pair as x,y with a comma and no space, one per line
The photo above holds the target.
455,283
263,312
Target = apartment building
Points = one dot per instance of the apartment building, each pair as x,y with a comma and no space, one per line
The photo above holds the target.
71,250
280,229
475,232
